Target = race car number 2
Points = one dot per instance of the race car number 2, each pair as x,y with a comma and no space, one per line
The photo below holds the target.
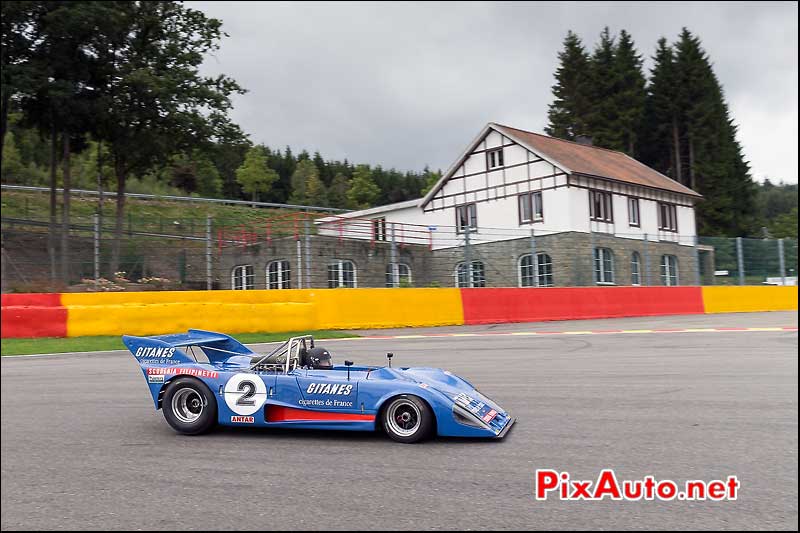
245,393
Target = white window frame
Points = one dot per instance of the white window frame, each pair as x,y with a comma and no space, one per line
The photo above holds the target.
494,158
534,204
634,214
284,274
636,269
667,217
670,270
539,278
602,256
248,279
605,205
471,212
340,281
479,273
400,274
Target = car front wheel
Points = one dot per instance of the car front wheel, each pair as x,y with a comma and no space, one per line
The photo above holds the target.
408,419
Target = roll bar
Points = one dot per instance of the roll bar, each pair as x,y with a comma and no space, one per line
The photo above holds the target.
292,348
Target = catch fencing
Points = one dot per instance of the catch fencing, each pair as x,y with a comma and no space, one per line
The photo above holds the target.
312,250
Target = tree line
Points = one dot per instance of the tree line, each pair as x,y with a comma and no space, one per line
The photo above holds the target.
222,170
675,120
280,176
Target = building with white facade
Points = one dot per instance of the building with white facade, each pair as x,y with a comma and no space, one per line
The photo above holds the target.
518,208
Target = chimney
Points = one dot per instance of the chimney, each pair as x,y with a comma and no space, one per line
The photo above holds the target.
584,140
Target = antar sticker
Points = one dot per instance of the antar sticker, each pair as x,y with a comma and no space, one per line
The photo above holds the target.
329,388
154,352
243,419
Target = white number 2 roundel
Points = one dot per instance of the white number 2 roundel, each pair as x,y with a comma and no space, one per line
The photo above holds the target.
245,393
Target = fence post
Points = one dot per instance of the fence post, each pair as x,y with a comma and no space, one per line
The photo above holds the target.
209,244
96,226
740,259
308,253
467,257
646,260
393,259
696,262
534,260
782,261
299,264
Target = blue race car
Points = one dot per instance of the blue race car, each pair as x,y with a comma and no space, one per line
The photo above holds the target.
202,378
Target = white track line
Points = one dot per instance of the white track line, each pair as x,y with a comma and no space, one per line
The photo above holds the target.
449,336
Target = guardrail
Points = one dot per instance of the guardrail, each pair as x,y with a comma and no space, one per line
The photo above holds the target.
223,201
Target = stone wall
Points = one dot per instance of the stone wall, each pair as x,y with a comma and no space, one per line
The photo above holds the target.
571,256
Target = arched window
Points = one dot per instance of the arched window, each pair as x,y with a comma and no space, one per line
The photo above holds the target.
603,266
669,270
636,269
403,275
242,278
543,271
341,274
463,277
279,275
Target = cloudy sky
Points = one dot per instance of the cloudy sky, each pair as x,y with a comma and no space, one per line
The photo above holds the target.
410,84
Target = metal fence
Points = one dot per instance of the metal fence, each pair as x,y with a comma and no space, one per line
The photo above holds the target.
313,250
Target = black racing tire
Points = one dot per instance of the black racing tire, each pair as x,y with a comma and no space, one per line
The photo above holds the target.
407,419
189,406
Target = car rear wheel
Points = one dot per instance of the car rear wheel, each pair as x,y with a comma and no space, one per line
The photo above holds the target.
408,419
189,407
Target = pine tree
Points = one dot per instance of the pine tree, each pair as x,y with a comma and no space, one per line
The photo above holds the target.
659,130
570,107
363,192
325,170
603,118
690,128
629,95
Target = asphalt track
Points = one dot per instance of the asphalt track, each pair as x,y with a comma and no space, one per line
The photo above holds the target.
82,447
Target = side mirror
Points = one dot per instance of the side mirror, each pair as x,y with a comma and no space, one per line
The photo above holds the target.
348,364
389,357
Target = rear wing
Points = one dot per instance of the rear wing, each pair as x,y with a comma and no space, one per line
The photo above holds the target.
195,346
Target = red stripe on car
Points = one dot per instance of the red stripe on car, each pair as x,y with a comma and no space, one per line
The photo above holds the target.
276,413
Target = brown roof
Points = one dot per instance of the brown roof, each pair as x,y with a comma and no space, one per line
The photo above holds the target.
595,161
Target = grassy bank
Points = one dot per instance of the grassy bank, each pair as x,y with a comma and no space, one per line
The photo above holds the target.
141,214
96,344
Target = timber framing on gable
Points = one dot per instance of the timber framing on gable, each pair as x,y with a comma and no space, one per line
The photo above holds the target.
437,199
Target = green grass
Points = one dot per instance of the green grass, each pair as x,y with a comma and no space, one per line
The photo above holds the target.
95,344
141,214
